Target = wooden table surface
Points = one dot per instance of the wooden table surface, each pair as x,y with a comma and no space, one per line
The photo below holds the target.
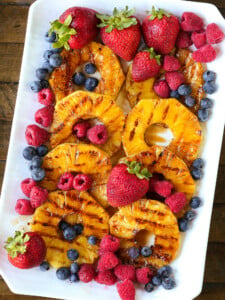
13,18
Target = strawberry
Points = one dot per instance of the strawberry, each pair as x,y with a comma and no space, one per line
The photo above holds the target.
127,183
76,27
160,30
146,64
121,32
25,250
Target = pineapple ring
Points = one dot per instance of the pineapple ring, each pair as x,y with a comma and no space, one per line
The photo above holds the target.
185,127
86,105
106,62
156,218
79,158
73,207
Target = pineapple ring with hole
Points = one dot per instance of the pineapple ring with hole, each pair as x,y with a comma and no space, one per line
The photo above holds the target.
185,127
78,158
156,218
86,105
73,207
106,62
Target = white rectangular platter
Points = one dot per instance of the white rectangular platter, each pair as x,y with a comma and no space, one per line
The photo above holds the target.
189,265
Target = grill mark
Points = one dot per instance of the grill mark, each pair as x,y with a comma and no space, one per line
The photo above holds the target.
143,221
165,237
150,118
132,134
172,169
165,112
159,213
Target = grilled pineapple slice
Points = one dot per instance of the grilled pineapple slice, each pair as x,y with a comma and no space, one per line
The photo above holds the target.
106,62
139,90
86,105
154,217
73,207
185,127
78,158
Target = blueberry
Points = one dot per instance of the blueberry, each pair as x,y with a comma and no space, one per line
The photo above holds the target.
209,87
209,76
74,268
156,280
38,174
189,101
206,103
168,283
90,68
174,94
92,240
78,78
55,60
36,162
50,38
35,86
190,215
198,163
44,84
72,254
56,50
47,54
42,73
42,150
69,233
203,114
63,225
165,271
149,287
29,152
146,251
46,65
134,252
74,278
78,228
183,224
90,83
196,173
184,90
195,202
44,266
63,273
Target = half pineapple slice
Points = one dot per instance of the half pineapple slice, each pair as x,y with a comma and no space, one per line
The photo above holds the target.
82,106
75,208
106,62
184,125
154,217
78,158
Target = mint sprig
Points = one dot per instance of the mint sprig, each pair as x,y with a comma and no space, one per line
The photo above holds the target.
159,14
134,167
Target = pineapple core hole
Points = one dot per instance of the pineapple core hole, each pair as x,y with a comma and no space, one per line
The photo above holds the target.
145,238
158,134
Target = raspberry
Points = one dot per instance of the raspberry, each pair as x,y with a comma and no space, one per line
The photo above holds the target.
176,202
199,39
144,275
163,188
80,129
36,136
107,261
162,89
23,207
205,54
214,34
26,186
97,134
123,272
46,97
86,273
152,182
66,182
44,116
174,79
106,277
82,182
126,290
191,22
38,195
184,40
171,63
109,243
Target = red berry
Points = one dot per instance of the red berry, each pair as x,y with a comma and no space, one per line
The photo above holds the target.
184,40
97,134
38,195
106,277
109,243
163,188
66,182
82,182
144,275
36,136
26,186
44,116
176,202
123,272
162,89
86,273
171,63
191,22
174,79
205,54
46,97
126,290
107,261
23,207
199,39
80,129
214,34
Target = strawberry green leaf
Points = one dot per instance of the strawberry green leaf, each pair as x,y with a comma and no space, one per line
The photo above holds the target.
68,20
154,55
159,14
16,245
134,167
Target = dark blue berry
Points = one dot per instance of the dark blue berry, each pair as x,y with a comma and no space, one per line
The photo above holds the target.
165,271
50,37
196,173
209,76
209,87
206,103
90,68
69,233
157,280
38,174
35,86
168,283
46,65
195,202
55,60
91,83
203,114
78,78
42,150
74,278
134,252
47,54
78,228
184,90
189,101
190,215
74,268
44,84
198,163
146,251
149,287
72,254
63,273
92,240
183,224
44,266
29,152
56,50
42,73
36,162
174,94
63,225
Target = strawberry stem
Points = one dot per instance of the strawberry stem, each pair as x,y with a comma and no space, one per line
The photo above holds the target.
16,245
159,14
154,55
134,167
